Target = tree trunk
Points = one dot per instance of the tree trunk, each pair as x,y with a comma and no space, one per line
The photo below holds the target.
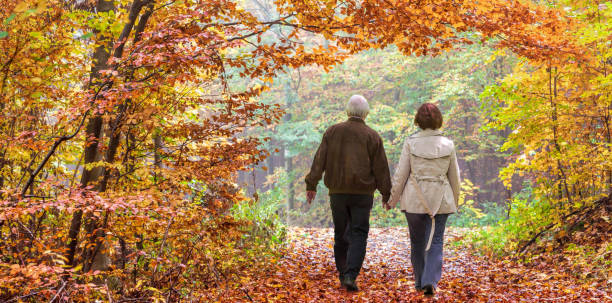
93,133
97,258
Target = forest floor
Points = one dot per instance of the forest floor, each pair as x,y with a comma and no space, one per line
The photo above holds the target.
306,273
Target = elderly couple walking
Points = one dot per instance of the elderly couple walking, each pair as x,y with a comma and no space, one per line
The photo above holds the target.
425,183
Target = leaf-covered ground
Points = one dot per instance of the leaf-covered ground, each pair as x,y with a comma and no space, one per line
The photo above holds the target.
306,273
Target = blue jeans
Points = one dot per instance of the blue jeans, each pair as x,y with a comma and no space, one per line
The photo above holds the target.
427,265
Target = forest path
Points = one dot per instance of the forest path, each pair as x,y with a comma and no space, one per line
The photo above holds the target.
307,274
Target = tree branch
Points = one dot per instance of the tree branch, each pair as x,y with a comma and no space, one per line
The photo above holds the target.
57,143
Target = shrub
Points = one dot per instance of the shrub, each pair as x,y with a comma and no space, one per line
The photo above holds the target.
527,216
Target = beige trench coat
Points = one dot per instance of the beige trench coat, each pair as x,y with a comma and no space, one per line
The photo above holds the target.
428,161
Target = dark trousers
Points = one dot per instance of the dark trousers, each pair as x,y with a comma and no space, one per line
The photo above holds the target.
351,215
427,265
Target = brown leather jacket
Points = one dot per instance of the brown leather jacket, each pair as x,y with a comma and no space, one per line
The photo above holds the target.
353,158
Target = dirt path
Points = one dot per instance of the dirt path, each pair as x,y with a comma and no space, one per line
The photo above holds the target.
307,274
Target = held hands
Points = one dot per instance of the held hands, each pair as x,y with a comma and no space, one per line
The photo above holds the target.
310,195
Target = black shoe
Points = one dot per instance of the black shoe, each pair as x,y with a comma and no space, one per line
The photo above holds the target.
349,284
429,290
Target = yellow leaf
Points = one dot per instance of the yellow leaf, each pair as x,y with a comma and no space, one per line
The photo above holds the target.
21,7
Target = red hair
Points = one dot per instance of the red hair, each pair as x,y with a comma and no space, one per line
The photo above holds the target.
428,116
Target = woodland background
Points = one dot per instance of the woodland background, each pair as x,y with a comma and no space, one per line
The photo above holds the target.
155,150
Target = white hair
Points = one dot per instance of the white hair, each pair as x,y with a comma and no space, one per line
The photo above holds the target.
357,106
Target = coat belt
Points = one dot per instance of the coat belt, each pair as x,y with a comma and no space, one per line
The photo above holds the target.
439,178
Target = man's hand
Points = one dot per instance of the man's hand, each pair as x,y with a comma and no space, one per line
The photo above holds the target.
310,195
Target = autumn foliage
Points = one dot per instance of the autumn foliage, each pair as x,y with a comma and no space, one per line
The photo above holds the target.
560,115
123,125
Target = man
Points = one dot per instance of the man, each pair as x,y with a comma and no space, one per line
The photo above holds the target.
353,158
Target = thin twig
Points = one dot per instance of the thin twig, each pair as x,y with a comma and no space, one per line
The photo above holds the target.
161,248
110,299
23,297
58,292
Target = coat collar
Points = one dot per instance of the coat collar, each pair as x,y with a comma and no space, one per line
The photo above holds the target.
428,132
356,119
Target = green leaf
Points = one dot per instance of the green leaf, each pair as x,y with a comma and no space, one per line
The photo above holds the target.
3,34
37,35
9,19
87,36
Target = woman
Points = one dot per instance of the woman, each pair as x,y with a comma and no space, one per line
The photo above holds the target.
426,184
